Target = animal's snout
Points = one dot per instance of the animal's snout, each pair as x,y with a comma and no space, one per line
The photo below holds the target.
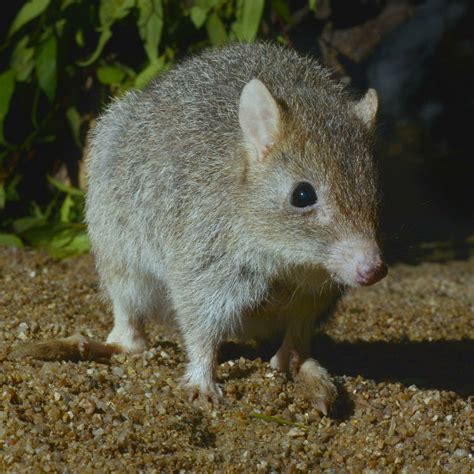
369,275
357,262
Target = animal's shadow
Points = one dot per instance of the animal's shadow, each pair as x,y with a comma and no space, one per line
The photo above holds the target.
441,365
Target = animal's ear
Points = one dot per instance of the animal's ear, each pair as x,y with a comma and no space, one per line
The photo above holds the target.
259,117
366,108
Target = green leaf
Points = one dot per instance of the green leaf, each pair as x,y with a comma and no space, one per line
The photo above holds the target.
22,61
313,4
50,138
74,120
150,26
147,74
110,75
7,86
60,240
64,187
65,208
117,75
282,9
10,240
59,26
249,14
207,4
66,3
46,64
154,28
28,12
105,35
37,211
110,11
79,37
216,30
24,224
11,189
69,246
198,16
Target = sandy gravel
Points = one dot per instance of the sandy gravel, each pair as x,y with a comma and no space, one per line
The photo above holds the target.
402,354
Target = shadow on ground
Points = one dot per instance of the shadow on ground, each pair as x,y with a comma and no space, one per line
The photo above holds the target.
439,365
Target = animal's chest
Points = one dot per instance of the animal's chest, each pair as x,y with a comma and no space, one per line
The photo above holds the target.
289,298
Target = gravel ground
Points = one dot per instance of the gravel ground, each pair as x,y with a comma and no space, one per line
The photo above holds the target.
401,352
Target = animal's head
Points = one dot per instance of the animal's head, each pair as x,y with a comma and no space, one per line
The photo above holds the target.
311,180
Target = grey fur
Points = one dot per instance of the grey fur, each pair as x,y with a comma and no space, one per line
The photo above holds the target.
183,221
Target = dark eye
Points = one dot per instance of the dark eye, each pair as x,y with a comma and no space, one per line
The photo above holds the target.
303,195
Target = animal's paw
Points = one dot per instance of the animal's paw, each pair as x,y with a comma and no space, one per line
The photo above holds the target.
126,343
83,347
203,394
314,383
88,349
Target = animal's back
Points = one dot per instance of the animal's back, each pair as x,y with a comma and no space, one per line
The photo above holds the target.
191,112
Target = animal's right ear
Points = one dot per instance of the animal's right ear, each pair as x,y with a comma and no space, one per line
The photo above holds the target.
366,108
259,117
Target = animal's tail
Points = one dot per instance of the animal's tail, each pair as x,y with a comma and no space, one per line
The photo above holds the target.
74,348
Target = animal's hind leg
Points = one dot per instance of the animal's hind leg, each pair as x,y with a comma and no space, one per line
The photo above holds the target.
313,380
133,299
128,331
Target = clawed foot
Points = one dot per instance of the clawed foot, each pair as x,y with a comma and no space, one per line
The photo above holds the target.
93,350
130,344
202,394
313,381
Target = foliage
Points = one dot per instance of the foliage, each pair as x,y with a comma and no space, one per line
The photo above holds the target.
60,60
57,228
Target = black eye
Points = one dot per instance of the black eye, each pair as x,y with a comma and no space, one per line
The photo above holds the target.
303,195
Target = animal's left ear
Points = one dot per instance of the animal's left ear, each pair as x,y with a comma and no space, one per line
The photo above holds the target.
366,108
259,117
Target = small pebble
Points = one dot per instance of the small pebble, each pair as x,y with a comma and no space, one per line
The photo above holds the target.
295,433
118,371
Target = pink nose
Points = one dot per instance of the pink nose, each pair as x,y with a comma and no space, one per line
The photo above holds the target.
369,276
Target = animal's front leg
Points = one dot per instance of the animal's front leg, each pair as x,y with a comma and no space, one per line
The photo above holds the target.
208,309
312,380
202,328
290,346
199,379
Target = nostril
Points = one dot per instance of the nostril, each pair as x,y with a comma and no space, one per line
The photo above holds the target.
372,275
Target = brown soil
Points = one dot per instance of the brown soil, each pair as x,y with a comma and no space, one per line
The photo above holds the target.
401,352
